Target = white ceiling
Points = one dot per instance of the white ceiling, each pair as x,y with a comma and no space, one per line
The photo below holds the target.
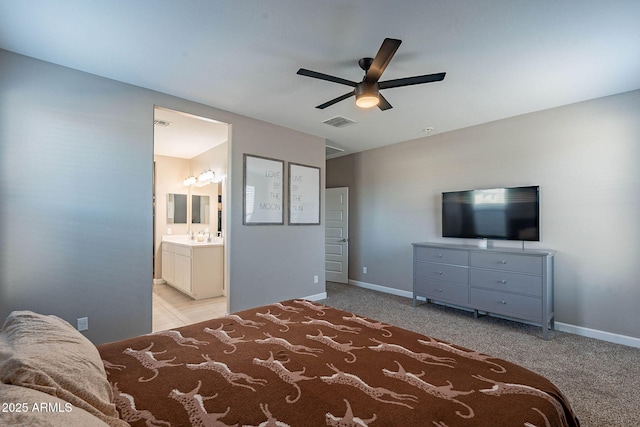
502,57
186,136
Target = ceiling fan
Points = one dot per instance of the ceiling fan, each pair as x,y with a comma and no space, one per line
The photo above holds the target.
367,92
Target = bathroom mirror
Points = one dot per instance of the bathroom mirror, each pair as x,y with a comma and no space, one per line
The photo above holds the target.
200,209
176,208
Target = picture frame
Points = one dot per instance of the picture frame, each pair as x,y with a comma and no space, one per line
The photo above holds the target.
304,194
263,191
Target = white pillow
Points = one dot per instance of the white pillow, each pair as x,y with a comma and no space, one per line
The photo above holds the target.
47,354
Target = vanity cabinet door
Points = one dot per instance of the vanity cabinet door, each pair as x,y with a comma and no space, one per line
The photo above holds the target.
168,261
183,269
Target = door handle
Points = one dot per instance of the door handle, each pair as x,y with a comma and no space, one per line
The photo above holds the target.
344,240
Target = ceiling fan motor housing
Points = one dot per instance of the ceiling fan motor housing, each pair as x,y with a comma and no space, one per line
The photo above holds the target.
367,88
367,94
365,63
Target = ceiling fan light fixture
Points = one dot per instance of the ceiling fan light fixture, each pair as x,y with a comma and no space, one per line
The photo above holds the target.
367,101
367,95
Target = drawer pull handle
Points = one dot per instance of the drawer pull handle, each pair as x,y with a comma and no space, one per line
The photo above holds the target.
440,273
439,255
503,302
503,262
504,282
439,290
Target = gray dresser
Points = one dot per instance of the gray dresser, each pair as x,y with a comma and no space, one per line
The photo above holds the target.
512,283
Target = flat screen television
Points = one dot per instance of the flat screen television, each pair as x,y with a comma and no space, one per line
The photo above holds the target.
495,213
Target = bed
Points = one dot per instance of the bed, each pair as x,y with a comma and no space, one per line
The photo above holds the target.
300,363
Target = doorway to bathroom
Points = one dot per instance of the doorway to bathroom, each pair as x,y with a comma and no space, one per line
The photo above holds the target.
189,218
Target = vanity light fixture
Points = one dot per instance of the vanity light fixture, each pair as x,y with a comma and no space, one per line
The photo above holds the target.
205,178
189,181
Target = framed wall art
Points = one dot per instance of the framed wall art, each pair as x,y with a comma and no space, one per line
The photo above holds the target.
263,199
304,194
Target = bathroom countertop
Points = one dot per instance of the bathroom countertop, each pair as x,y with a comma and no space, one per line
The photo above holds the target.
183,239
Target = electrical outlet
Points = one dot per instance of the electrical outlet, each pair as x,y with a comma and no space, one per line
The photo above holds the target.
315,279
83,323
364,270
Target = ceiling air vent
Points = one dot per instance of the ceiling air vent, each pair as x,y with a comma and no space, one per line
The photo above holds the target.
338,121
162,123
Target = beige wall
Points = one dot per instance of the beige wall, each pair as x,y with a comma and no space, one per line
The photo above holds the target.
586,159
169,174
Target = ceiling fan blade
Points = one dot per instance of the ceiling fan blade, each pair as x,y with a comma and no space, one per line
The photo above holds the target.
382,59
336,100
327,77
408,81
383,104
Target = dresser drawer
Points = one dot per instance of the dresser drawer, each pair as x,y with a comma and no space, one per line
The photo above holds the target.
168,247
446,256
507,262
508,304
442,272
506,281
441,291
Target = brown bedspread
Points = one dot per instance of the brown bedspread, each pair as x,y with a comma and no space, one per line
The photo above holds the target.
299,363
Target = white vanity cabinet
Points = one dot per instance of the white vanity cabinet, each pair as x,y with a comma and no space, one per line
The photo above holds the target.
195,269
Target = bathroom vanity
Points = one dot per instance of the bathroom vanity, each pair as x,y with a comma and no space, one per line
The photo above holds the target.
194,268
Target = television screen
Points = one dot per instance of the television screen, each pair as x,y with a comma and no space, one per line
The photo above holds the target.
497,213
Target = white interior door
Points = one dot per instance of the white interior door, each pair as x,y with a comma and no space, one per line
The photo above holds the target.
337,234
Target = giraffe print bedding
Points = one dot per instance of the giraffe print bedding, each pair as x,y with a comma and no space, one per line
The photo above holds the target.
299,363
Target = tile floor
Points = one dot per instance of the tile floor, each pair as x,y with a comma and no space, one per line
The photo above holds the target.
172,309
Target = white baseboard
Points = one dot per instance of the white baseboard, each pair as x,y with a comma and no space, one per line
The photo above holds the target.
317,297
559,326
158,281
379,288
600,335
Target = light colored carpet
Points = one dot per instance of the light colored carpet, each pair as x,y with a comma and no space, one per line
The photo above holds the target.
600,379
